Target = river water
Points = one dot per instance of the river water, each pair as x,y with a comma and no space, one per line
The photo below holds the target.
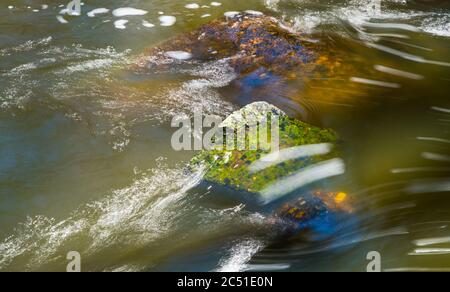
86,162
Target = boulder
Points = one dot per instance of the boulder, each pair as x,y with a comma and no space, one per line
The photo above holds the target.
270,60
303,151
300,144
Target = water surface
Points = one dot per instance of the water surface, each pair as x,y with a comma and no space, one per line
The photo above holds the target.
86,162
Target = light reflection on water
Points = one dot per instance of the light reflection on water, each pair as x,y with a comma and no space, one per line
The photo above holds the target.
86,164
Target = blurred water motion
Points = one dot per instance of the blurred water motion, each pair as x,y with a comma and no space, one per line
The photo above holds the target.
86,162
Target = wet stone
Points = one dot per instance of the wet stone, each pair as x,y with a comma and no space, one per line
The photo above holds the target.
233,167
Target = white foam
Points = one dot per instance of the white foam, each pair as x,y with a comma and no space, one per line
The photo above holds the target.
135,216
96,11
216,4
206,15
192,6
27,46
307,23
31,66
88,65
167,20
61,19
437,26
179,55
200,92
128,11
231,14
240,255
145,23
120,24
254,12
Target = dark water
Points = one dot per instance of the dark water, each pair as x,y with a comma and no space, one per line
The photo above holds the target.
86,163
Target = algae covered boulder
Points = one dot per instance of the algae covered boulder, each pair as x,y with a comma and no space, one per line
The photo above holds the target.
303,155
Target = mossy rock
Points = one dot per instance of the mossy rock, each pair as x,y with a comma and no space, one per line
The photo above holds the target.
236,168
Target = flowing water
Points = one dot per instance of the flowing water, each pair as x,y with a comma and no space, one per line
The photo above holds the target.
86,162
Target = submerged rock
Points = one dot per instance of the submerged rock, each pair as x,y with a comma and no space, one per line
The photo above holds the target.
252,42
321,212
271,61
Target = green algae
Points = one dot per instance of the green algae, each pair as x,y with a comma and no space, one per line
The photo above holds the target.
231,168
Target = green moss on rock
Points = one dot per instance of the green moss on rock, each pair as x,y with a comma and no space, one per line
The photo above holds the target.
232,168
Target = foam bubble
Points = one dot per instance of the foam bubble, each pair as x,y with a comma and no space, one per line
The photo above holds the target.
167,20
61,19
94,12
231,14
179,55
216,4
254,12
120,24
128,11
192,6
145,23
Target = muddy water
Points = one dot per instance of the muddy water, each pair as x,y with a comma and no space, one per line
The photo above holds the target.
86,163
